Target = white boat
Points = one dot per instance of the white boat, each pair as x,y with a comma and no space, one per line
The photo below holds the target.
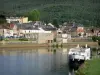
79,53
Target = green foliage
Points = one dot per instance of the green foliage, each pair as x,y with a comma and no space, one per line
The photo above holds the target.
82,11
83,70
91,67
95,38
57,45
54,50
54,40
1,39
23,39
2,19
6,39
55,23
34,15
93,49
79,34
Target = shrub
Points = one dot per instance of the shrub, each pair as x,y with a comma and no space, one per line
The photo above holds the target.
94,38
6,39
23,39
55,40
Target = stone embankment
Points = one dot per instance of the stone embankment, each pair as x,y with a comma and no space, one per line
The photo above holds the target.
28,44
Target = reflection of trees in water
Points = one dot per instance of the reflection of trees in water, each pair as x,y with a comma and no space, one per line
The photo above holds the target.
95,52
59,64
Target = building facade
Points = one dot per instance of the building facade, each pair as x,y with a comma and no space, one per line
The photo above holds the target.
17,19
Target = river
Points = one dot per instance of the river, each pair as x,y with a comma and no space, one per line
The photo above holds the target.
34,61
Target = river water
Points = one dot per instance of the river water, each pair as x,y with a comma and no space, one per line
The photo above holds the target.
34,61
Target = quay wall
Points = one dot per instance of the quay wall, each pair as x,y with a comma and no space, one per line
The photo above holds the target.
27,44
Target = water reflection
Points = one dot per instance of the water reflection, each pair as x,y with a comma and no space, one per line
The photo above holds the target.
34,62
95,52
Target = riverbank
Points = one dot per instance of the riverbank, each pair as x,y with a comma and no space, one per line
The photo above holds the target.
90,67
23,45
93,67
74,44
32,45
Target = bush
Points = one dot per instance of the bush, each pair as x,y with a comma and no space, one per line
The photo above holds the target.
23,39
95,38
6,39
55,40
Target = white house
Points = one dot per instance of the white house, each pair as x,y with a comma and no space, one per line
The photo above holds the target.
66,37
6,32
18,19
63,37
41,36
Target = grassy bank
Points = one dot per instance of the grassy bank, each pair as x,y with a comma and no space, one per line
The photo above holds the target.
94,67
91,67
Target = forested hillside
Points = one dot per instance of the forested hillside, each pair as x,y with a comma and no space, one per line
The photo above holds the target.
86,12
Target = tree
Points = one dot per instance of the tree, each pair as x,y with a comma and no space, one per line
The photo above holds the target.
92,30
34,15
79,34
2,19
95,38
55,22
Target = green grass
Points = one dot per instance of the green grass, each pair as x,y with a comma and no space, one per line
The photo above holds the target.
93,67
90,67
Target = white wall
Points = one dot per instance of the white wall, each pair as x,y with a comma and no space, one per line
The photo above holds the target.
34,31
44,37
7,32
10,20
64,35
64,40
19,19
